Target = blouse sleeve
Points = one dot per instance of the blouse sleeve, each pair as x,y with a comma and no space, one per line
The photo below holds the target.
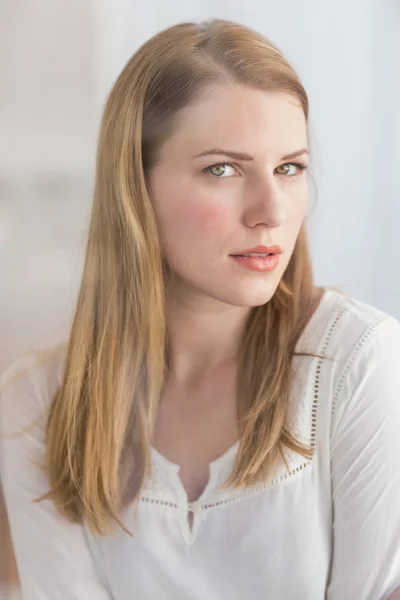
365,471
53,558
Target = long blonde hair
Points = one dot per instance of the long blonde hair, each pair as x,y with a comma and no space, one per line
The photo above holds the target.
102,418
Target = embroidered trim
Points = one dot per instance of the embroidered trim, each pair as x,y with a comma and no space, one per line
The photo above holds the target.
352,358
158,501
260,488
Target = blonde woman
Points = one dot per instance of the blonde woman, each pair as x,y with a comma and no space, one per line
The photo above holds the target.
216,427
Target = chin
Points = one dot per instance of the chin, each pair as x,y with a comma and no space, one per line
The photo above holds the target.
253,302
252,296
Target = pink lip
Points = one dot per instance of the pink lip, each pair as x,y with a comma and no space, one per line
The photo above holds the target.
260,250
262,264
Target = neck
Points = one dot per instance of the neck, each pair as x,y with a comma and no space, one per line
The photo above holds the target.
202,337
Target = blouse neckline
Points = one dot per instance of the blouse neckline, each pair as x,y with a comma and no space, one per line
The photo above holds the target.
215,465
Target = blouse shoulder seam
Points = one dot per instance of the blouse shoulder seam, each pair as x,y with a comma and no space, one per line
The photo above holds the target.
354,354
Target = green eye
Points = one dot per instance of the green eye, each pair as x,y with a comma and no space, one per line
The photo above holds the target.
298,168
220,170
217,170
283,167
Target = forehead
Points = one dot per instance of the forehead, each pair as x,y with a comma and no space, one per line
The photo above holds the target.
240,118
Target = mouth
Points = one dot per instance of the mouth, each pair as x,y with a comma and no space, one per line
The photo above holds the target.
259,251
262,262
255,254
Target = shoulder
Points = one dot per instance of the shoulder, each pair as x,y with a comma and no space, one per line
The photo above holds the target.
44,540
343,325
343,328
27,387
363,343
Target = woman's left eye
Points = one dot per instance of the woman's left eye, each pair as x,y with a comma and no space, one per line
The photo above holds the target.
296,166
220,170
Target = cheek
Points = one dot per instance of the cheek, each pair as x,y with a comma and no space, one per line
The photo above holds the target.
207,219
193,233
192,222
186,212
191,215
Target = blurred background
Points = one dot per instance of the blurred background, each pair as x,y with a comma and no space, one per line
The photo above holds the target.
58,60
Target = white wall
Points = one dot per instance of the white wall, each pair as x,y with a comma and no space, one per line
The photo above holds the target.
47,142
57,63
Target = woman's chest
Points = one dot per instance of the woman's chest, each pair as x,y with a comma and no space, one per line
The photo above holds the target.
274,543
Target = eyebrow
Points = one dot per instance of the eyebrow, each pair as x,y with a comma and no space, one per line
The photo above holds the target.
245,156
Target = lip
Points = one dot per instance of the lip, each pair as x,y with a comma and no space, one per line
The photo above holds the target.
261,264
275,249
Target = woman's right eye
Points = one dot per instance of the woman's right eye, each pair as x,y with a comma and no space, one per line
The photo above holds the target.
220,170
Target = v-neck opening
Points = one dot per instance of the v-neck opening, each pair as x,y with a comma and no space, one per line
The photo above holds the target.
212,465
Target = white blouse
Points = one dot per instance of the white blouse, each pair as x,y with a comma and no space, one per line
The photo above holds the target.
327,529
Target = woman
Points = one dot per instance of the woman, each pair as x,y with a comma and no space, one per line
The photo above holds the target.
216,426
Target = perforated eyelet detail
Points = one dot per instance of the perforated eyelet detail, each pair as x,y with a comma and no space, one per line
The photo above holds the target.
158,501
352,359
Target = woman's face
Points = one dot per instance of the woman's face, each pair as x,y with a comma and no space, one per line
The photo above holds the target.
208,213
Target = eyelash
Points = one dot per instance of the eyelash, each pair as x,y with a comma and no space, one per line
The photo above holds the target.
300,166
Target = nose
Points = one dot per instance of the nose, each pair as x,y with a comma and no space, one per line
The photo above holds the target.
266,205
